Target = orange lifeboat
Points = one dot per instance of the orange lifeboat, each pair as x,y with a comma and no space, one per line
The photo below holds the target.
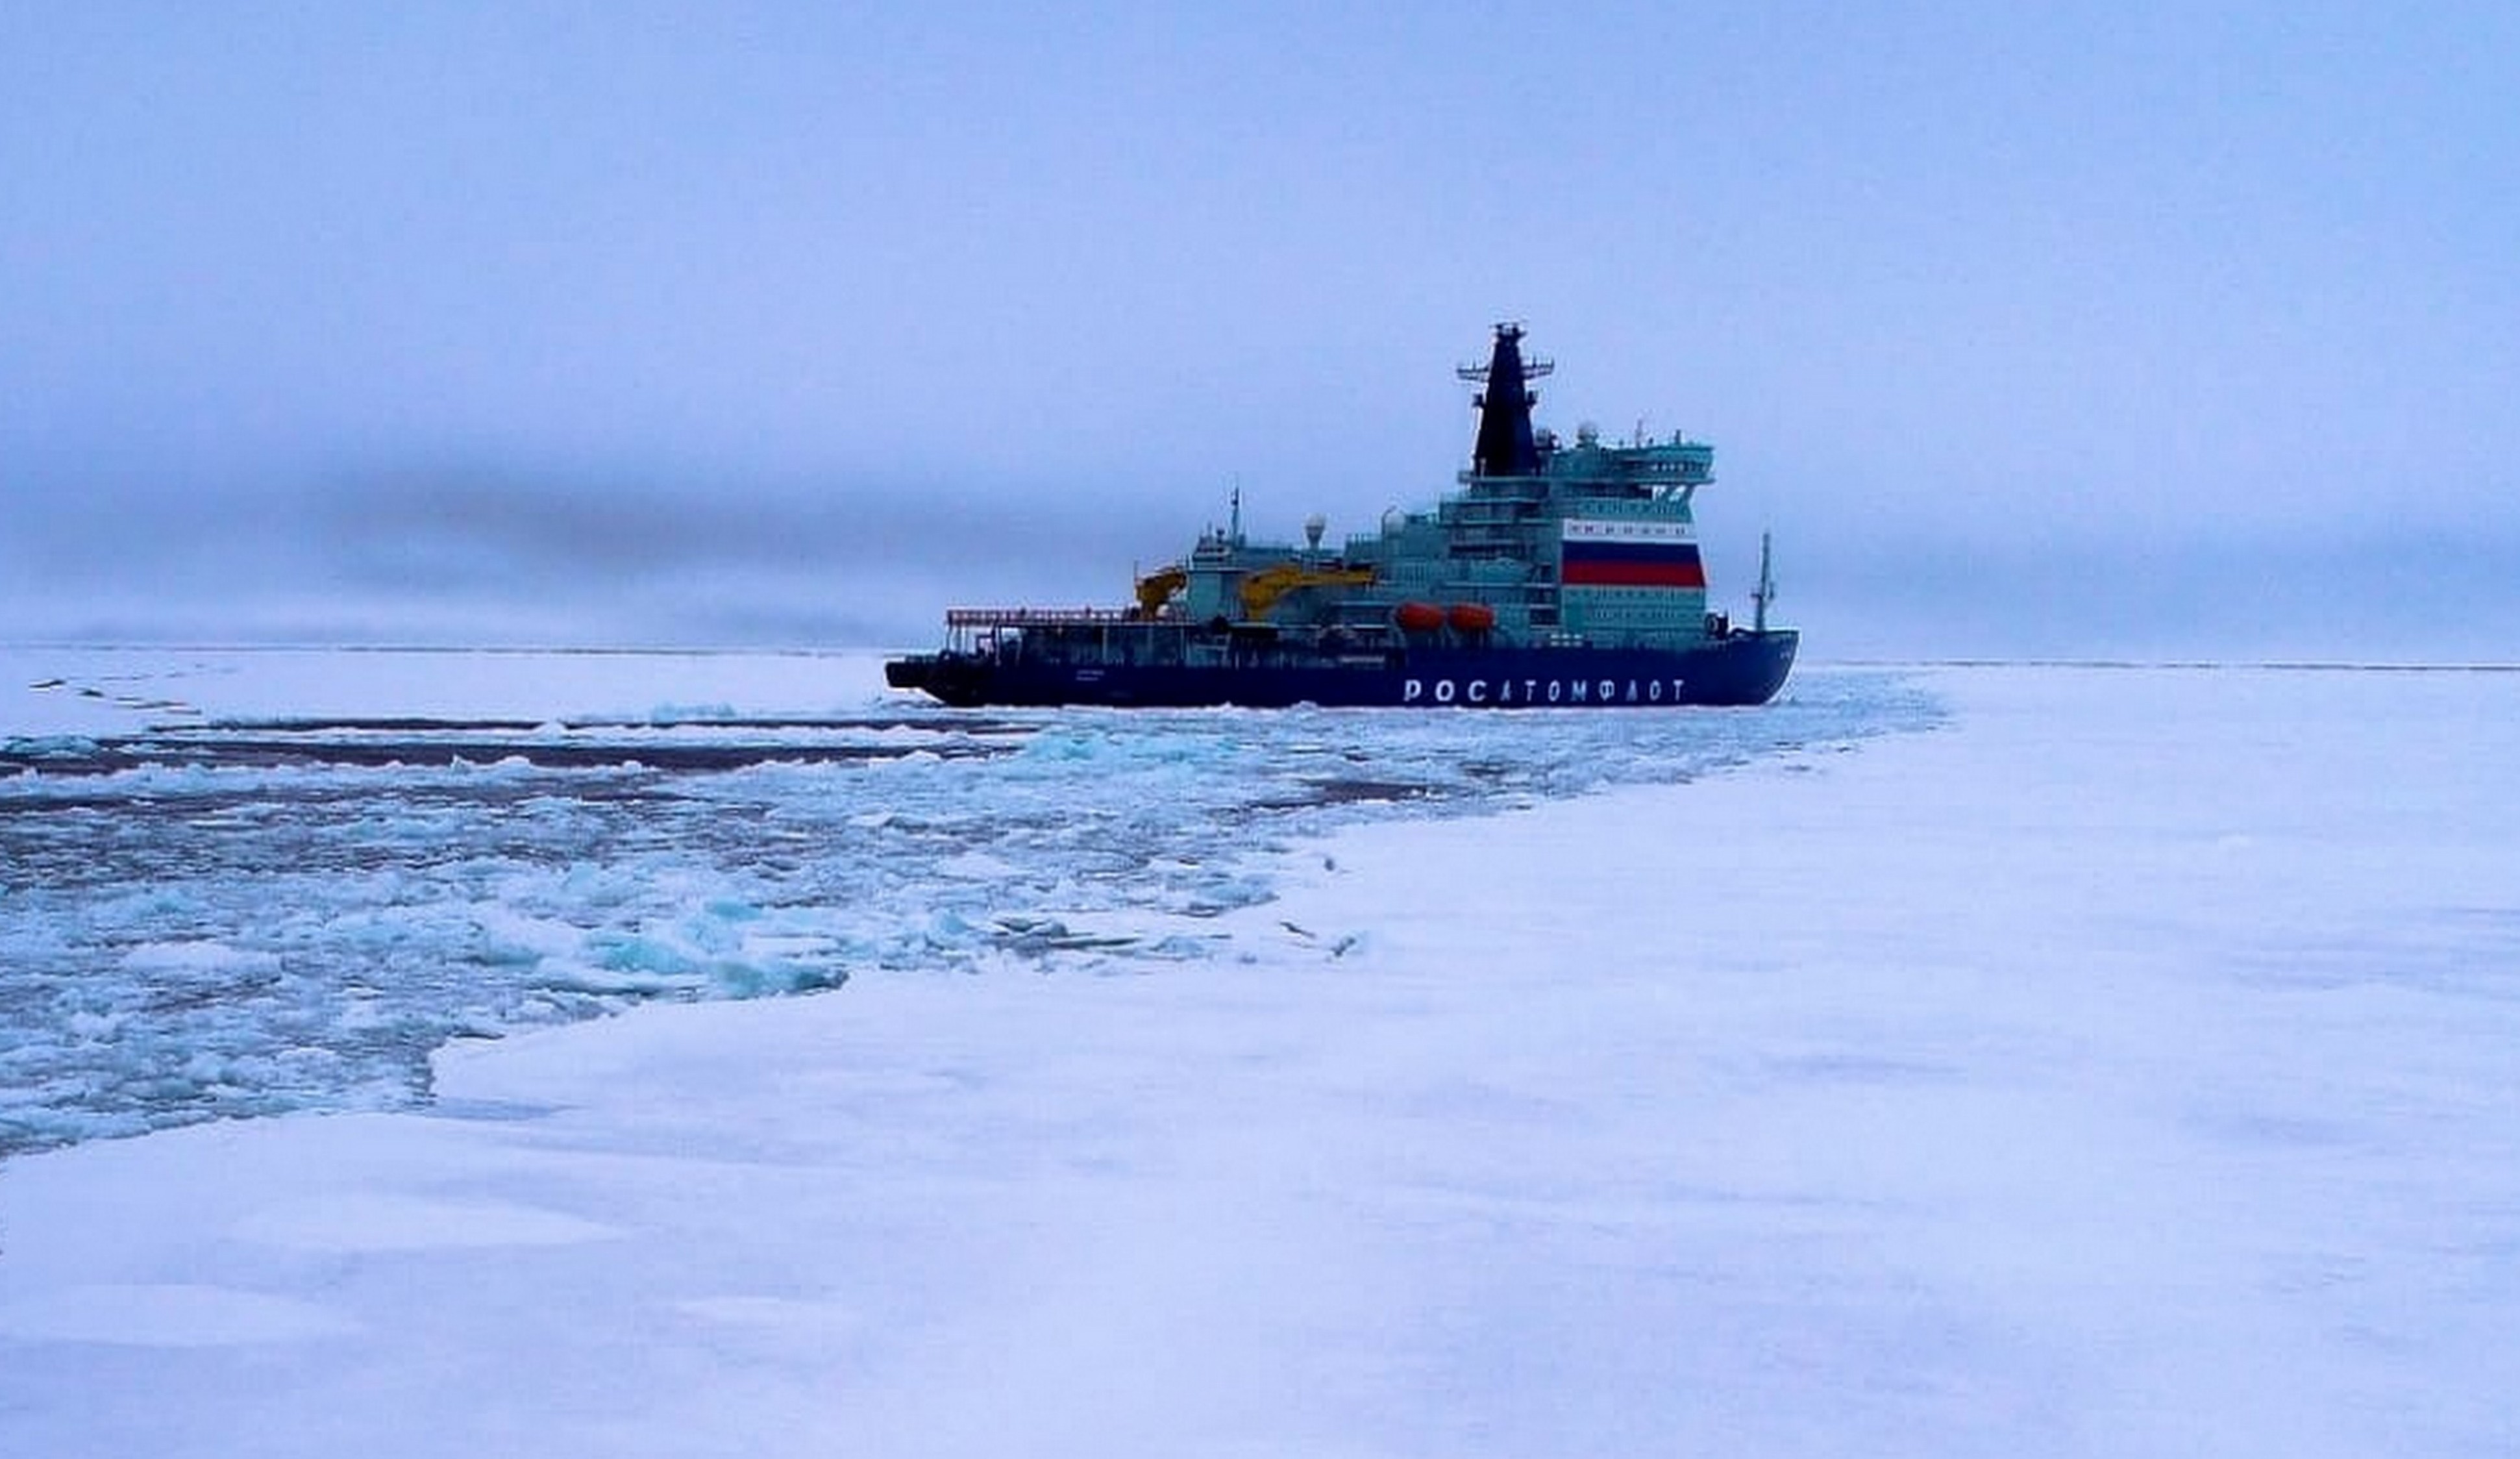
1417,617
1471,618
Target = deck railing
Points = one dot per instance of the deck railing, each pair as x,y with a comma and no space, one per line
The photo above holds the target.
1036,617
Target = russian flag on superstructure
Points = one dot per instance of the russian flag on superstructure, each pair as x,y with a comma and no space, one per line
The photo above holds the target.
1596,554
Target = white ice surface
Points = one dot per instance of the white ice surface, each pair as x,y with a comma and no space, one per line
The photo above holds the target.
2128,1069
51,691
289,900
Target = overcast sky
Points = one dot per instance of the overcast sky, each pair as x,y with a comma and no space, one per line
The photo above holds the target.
2070,328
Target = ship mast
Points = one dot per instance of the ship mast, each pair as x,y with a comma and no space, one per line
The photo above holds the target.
1767,592
1504,446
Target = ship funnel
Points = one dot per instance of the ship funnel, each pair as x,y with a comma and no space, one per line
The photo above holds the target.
1505,445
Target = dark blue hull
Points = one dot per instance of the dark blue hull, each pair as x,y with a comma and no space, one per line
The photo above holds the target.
1744,667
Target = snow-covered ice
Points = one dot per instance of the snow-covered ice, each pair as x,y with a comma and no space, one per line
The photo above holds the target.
2124,1068
288,899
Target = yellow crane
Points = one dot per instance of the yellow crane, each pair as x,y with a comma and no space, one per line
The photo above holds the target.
1156,589
1261,590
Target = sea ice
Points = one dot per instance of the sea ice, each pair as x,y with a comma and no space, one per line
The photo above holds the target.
224,893
2124,1069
